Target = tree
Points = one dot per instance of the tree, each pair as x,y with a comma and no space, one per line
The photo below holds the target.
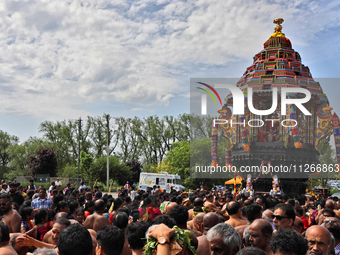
44,163
86,162
6,141
135,169
118,170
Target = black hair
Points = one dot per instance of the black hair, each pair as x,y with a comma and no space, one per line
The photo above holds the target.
61,204
111,240
125,209
287,210
299,210
166,195
81,200
5,195
253,210
39,216
147,201
79,209
75,240
135,234
63,221
73,206
120,220
291,202
180,214
4,231
233,207
173,199
89,204
179,200
118,202
165,219
288,241
16,205
251,251
198,202
328,210
25,211
127,199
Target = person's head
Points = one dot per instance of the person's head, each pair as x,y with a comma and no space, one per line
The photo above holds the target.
260,233
267,215
288,241
283,216
210,198
73,206
80,215
75,240
4,186
333,226
170,206
27,213
12,187
88,196
62,206
224,240
251,251
319,240
198,222
41,216
298,210
5,203
253,212
180,214
99,206
298,225
262,202
120,220
89,206
135,233
45,251
110,241
165,219
198,202
59,225
210,220
233,208
42,193
328,213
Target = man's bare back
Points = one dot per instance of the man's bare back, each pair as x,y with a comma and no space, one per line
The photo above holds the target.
96,222
48,237
13,220
7,250
236,222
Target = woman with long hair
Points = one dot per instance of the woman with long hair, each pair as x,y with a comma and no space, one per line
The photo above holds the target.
89,208
41,220
80,215
27,215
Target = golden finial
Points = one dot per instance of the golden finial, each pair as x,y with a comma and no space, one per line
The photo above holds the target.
277,28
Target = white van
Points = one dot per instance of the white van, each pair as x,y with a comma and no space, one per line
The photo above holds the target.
163,179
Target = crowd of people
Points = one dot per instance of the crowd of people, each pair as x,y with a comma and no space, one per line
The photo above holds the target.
83,221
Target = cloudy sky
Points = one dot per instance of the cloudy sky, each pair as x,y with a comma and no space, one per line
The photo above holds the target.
69,59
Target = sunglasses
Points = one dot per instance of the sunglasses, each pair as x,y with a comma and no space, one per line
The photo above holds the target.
279,217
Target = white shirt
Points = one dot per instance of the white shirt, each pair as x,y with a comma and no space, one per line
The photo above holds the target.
82,187
58,183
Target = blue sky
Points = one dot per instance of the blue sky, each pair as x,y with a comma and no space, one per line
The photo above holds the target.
69,59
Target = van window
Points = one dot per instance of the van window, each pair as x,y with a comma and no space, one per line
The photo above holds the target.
157,181
169,180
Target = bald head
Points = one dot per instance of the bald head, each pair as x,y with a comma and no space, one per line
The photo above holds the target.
267,215
209,220
329,204
61,215
199,217
318,231
264,226
298,225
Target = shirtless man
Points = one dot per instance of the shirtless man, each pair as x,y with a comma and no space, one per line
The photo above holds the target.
10,217
5,247
234,212
210,220
97,221
210,205
260,233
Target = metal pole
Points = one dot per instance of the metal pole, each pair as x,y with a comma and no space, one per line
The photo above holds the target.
107,150
79,150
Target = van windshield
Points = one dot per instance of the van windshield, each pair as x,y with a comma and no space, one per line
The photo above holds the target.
177,181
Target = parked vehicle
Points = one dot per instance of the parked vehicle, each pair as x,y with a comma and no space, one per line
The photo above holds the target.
163,179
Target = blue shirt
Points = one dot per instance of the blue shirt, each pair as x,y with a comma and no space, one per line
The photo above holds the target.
45,203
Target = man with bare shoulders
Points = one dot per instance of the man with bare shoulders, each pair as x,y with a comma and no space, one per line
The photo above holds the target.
260,233
10,217
234,212
209,203
97,221
198,204
5,247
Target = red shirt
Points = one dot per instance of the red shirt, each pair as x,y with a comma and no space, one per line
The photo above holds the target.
305,222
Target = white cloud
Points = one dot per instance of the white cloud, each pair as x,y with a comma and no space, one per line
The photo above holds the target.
57,55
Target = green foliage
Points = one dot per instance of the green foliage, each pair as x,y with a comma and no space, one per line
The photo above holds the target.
117,170
86,162
69,171
45,162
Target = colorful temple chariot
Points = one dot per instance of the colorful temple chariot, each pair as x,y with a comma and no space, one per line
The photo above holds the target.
269,140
